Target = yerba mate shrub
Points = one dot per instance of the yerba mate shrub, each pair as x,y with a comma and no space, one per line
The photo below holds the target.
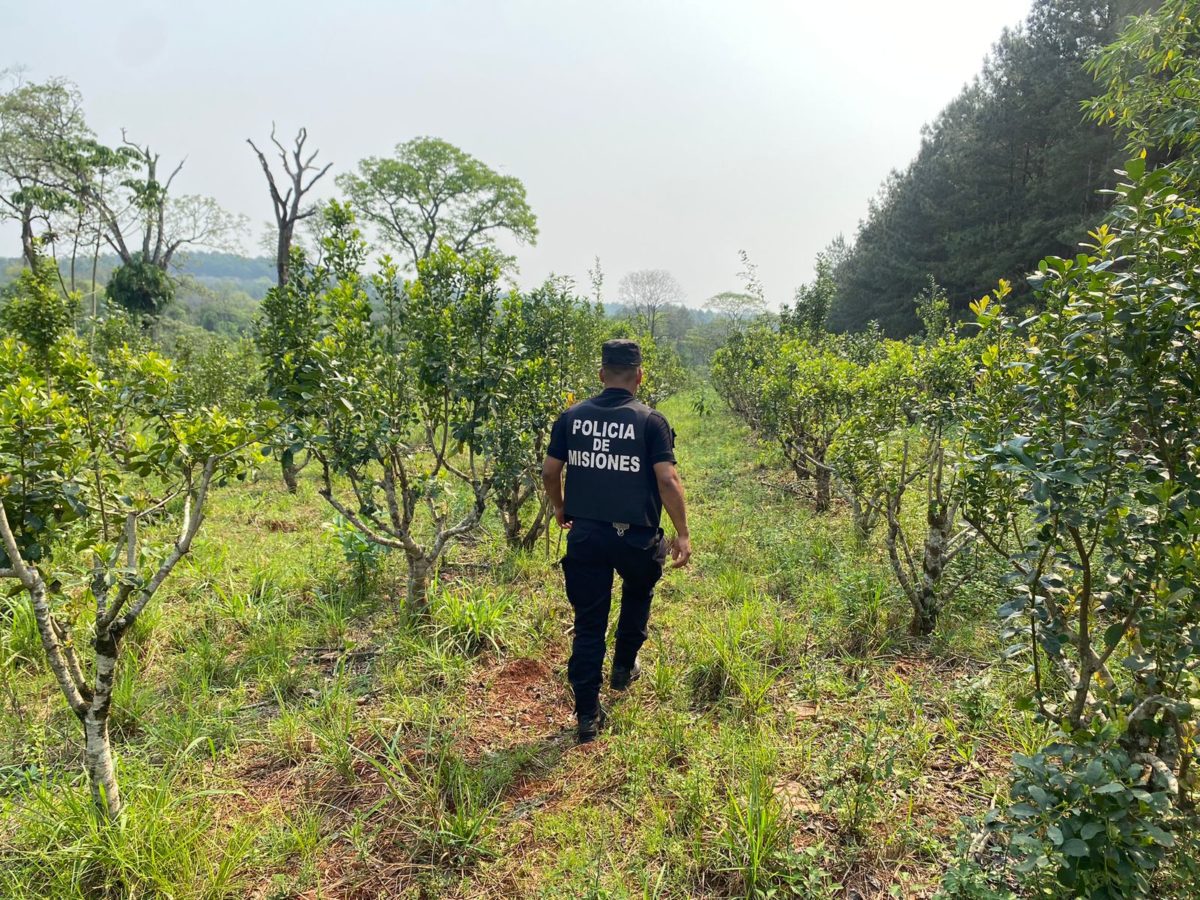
401,405
104,483
1086,480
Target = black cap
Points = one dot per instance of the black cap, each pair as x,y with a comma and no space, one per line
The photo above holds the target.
621,352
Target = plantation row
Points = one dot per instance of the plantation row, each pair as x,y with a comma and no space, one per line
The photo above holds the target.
1066,444
1060,441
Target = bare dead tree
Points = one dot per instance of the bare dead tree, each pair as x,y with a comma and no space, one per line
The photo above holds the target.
289,205
139,217
300,174
647,292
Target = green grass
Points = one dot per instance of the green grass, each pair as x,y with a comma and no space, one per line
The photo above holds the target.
284,728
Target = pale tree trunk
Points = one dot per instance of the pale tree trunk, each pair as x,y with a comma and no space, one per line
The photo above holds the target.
92,707
93,704
97,747
102,775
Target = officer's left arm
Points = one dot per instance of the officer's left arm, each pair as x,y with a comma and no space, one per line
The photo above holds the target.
552,470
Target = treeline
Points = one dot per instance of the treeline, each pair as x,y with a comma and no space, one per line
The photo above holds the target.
254,274
1009,171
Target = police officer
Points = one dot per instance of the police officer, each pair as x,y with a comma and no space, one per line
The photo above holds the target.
619,457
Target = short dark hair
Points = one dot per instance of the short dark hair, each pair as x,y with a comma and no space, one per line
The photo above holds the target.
620,373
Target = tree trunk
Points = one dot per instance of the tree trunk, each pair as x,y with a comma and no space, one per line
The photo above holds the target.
283,250
925,616
420,572
541,523
822,478
927,604
511,519
516,535
287,463
863,516
28,243
102,775
97,748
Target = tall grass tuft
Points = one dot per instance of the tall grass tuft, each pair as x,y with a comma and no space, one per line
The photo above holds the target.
446,802
170,842
473,621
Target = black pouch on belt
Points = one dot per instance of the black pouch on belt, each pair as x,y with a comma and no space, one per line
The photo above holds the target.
642,537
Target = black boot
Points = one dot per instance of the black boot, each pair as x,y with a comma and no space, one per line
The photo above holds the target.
589,726
621,678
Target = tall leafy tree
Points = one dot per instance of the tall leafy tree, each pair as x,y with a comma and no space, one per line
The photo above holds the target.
432,192
1006,173
40,125
735,306
141,220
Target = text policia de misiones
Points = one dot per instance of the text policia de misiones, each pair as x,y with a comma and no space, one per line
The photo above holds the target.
602,456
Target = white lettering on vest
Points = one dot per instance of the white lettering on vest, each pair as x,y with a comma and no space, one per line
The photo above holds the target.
616,462
621,431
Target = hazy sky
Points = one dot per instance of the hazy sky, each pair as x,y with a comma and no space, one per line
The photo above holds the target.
653,134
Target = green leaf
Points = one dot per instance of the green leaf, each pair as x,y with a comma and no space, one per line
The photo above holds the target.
1159,836
1075,847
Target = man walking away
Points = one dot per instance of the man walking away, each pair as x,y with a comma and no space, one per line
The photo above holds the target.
620,471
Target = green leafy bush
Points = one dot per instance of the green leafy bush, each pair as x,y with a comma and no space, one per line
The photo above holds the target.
1086,479
141,288
33,308
1082,818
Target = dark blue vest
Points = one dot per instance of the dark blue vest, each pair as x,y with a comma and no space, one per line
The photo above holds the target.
609,474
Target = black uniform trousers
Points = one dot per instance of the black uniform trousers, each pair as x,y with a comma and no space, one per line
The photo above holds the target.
594,551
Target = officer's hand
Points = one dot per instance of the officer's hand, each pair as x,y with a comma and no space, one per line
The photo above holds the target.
681,551
560,516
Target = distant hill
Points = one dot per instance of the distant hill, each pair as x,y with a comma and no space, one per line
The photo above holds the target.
219,292
255,273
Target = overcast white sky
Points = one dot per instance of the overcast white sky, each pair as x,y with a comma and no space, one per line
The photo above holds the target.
653,134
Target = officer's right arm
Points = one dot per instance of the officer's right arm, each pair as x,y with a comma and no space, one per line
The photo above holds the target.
552,470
